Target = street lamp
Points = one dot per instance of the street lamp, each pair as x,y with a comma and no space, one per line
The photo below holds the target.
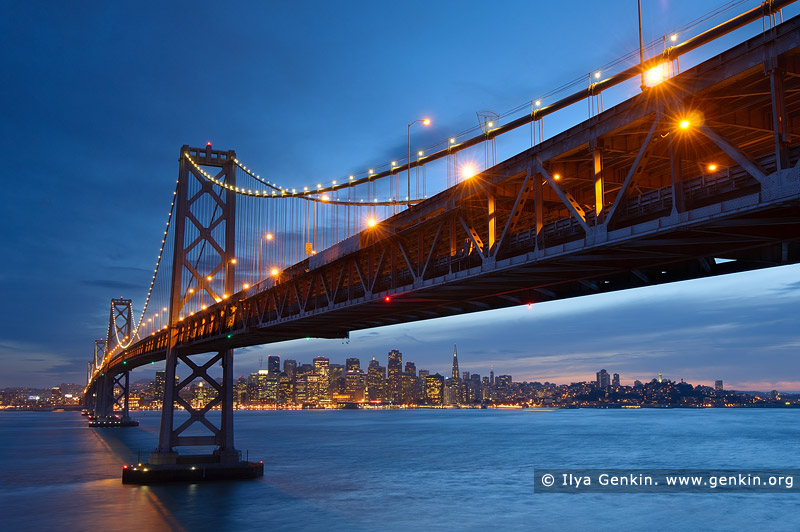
425,122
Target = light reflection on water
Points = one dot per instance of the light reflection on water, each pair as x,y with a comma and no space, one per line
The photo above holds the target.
400,470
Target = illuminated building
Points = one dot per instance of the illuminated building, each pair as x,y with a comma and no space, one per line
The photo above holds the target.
336,380
355,385
411,369
271,389
603,379
352,364
451,392
257,387
615,380
503,381
290,368
455,375
322,367
409,389
376,381
274,365
395,368
134,402
285,389
240,392
202,394
158,388
315,384
301,389
434,389
423,381
718,386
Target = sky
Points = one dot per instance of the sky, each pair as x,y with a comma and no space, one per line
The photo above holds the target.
99,97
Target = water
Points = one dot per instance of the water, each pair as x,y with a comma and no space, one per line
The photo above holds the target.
401,470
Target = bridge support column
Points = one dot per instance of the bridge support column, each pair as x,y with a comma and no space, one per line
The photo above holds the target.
104,401
121,400
678,203
171,437
779,116
538,207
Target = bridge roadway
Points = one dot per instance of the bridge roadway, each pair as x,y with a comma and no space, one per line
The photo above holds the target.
628,198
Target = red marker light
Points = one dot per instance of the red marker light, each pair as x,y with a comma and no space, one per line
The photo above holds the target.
530,305
208,143
124,467
387,299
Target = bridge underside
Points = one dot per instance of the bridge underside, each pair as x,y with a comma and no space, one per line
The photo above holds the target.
626,199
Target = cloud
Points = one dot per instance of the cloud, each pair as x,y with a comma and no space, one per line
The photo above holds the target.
112,285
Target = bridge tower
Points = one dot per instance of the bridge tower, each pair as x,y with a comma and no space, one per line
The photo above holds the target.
112,390
90,401
203,273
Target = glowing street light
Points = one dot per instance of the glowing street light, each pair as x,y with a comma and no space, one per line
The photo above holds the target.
655,75
684,124
372,222
468,170
712,167
274,272
425,122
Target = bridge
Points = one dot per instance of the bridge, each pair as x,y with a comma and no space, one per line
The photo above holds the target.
696,176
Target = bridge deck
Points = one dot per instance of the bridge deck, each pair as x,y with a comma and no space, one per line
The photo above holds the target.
622,200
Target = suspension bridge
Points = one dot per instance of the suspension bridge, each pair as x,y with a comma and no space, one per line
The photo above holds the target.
697,175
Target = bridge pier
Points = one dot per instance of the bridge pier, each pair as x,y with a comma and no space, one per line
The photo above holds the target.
165,464
107,398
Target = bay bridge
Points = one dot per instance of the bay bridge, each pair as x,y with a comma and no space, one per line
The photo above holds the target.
696,175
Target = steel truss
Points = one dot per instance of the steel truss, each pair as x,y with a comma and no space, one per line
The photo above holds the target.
194,189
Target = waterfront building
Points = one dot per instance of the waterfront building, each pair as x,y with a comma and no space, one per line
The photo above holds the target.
603,379
285,389
322,367
615,380
274,365
355,385
290,368
434,389
395,369
376,381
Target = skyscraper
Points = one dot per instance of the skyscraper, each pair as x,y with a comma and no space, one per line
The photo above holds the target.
376,380
274,365
455,375
322,367
615,380
395,368
290,368
717,386
434,389
603,379
158,388
352,364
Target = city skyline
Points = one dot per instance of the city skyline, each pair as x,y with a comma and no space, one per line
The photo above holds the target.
129,96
